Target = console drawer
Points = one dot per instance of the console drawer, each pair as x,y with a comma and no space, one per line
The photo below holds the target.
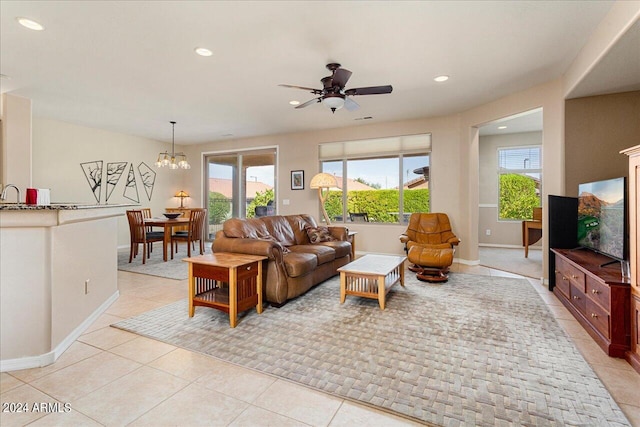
562,283
572,273
598,317
578,298
598,292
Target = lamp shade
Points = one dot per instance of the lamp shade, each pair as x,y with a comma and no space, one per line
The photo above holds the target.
323,180
181,193
334,102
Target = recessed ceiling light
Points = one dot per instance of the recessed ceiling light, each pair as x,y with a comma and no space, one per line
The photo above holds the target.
441,79
30,24
502,127
203,51
294,102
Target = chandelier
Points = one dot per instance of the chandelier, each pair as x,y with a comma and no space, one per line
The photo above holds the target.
173,160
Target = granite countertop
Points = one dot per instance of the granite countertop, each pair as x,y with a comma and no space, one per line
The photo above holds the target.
58,206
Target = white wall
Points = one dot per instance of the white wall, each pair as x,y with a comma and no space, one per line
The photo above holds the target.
299,151
503,233
59,148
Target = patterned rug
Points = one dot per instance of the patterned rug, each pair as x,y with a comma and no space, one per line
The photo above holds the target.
476,350
155,266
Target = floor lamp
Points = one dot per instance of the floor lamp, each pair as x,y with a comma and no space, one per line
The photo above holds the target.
323,181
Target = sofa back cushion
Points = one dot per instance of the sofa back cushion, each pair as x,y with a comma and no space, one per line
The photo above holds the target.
251,228
289,230
299,224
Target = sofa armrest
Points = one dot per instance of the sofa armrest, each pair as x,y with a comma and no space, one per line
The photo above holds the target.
272,250
339,232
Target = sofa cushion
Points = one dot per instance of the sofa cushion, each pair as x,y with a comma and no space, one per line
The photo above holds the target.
319,234
279,228
299,263
340,247
245,228
299,223
324,253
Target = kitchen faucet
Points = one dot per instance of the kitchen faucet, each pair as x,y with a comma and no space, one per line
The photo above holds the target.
3,196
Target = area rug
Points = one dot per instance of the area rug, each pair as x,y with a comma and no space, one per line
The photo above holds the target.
476,350
172,269
512,260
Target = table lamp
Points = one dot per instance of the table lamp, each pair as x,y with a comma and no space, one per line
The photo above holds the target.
182,194
323,181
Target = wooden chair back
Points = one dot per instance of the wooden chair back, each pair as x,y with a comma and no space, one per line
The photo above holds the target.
136,226
197,223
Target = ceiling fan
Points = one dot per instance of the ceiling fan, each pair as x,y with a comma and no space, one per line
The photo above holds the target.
333,93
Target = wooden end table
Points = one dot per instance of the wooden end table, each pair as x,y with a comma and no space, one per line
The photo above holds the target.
242,275
371,276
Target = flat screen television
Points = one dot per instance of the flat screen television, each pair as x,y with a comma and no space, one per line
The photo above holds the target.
602,217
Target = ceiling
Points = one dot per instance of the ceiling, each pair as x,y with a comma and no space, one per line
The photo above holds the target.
130,67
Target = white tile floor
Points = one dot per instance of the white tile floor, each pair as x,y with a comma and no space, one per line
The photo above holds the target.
113,378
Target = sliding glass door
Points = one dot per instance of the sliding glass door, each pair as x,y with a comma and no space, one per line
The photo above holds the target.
239,185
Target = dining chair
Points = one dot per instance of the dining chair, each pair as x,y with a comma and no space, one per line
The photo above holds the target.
139,235
146,213
197,221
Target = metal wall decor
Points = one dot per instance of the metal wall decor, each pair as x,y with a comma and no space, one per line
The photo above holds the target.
148,176
131,190
93,174
114,173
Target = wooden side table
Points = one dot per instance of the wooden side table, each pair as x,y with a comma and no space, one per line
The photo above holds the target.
242,275
351,238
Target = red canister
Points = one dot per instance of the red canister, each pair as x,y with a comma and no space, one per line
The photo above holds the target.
32,196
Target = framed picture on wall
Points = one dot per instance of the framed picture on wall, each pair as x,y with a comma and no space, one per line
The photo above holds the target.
297,180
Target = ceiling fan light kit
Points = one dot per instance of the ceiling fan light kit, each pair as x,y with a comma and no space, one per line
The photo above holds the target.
333,93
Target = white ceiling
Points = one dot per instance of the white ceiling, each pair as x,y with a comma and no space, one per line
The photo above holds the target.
130,67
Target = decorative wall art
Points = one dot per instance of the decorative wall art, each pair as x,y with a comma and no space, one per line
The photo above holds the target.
114,173
297,180
131,190
93,173
148,176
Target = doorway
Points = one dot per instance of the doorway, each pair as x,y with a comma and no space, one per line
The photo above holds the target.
238,184
509,188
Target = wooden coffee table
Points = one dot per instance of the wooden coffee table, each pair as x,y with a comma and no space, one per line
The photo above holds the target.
228,282
371,276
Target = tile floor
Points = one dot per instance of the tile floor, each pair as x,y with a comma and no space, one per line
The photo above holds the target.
114,378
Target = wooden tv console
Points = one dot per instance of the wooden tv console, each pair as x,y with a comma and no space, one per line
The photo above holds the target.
596,295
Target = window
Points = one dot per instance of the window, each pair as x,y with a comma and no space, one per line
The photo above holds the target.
519,182
386,178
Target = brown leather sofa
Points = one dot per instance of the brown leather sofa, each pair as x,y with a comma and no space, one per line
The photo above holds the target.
294,263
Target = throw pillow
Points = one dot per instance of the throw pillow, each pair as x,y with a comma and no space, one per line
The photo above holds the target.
319,234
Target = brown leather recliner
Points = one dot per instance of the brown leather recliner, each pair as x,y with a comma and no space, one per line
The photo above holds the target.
429,243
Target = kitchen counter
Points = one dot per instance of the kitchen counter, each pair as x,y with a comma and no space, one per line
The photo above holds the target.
58,273
56,206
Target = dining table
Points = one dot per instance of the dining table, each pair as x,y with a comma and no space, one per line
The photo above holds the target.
167,224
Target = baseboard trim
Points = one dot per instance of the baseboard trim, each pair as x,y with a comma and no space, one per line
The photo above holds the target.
50,357
495,245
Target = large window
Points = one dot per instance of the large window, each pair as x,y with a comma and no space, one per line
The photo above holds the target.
519,182
380,186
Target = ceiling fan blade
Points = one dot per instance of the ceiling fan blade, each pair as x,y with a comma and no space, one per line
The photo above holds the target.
309,102
341,77
350,104
310,89
371,90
